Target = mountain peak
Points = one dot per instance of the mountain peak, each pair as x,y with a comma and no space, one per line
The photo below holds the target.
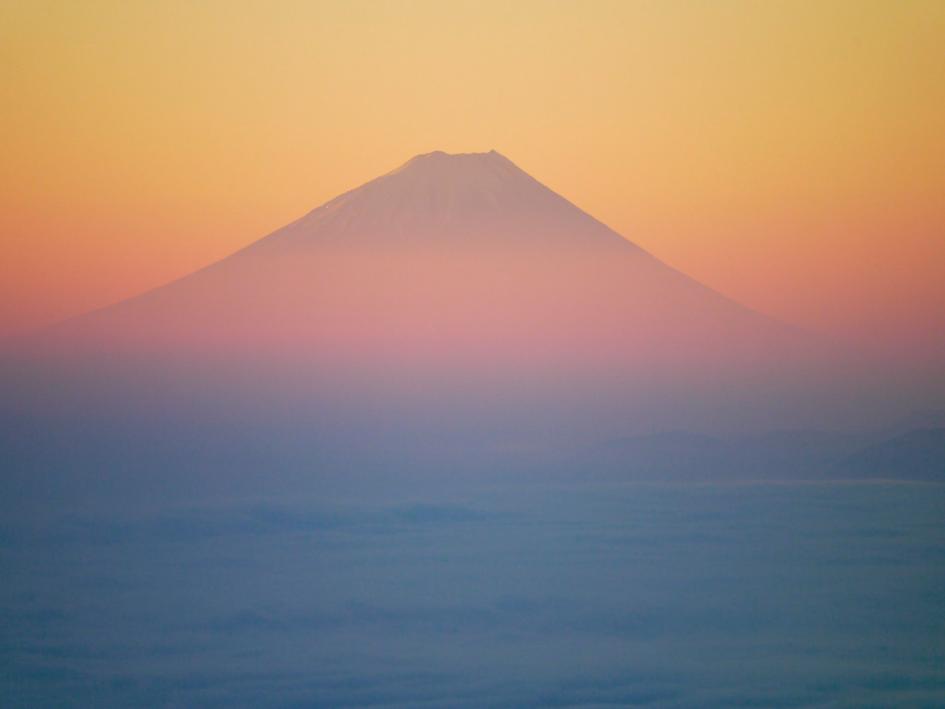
441,160
448,198
443,155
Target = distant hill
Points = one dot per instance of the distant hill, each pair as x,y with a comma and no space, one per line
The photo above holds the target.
779,455
916,455
682,456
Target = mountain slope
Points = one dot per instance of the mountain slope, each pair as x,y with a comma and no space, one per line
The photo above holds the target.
447,258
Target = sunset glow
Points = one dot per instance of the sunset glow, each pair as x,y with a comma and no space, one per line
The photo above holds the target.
788,155
472,353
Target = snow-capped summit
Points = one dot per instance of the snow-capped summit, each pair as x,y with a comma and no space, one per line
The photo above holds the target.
455,199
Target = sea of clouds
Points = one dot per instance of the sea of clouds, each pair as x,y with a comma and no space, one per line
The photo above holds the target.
523,594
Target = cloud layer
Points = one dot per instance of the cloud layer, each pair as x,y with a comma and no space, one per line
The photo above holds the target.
511,596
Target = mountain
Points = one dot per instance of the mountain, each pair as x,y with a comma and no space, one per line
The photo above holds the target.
454,316
459,259
915,455
925,419
686,456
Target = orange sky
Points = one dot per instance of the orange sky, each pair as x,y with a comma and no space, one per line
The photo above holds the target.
791,155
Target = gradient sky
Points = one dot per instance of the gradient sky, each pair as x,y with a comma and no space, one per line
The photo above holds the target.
791,155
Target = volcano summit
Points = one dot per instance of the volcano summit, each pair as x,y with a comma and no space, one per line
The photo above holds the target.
449,259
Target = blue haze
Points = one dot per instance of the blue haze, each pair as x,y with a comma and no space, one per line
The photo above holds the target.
528,594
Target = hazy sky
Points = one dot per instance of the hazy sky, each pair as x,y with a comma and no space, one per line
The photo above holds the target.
790,155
